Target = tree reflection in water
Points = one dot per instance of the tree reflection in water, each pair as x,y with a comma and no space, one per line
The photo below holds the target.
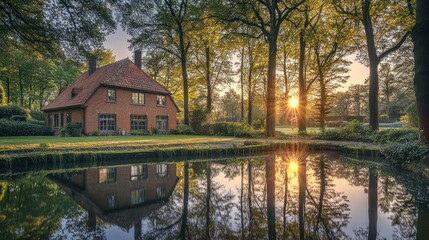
292,195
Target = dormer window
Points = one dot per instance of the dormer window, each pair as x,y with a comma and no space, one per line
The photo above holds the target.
111,95
75,91
161,100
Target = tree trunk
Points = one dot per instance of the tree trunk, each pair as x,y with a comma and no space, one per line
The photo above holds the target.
249,198
208,197
302,111
286,82
184,225
421,77
21,88
302,181
373,65
8,90
322,102
208,81
242,84
372,204
270,172
250,89
271,88
183,61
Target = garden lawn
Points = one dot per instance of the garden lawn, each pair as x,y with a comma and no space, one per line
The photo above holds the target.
51,143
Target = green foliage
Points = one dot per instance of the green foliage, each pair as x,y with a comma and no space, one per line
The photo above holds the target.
198,117
396,135
8,111
154,131
411,118
71,130
406,152
258,124
45,146
183,129
350,131
2,95
20,118
229,129
15,128
37,115
34,121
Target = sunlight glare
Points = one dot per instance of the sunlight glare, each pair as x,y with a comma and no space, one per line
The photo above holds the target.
293,102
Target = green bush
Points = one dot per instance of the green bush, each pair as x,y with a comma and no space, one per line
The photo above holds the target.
37,115
350,131
229,129
71,130
20,118
2,95
258,124
154,131
411,117
405,152
8,111
15,128
34,121
183,129
396,135
198,117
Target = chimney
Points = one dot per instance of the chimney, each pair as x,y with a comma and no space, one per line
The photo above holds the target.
138,58
92,64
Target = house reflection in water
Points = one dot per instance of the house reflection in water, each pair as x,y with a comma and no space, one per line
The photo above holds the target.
120,195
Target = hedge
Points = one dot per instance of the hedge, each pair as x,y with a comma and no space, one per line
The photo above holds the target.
16,128
8,111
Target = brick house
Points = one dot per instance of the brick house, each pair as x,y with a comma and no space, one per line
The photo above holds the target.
120,195
116,98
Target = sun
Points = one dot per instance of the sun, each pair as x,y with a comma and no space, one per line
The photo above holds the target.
293,102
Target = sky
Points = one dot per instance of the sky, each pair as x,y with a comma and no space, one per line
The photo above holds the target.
119,45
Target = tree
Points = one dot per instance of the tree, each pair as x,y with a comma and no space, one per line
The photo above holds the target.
2,95
165,25
421,53
380,21
267,17
49,26
230,104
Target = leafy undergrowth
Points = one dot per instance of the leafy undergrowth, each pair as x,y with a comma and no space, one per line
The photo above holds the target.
402,146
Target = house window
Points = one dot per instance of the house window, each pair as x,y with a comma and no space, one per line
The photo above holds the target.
161,170
106,175
111,95
138,172
137,98
162,123
62,120
137,196
107,122
161,101
50,120
56,121
138,123
111,201
68,117
160,192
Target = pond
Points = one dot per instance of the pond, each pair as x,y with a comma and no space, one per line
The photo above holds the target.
287,195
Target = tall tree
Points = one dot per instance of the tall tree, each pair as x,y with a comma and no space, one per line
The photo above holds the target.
267,16
383,22
47,26
165,25
421,53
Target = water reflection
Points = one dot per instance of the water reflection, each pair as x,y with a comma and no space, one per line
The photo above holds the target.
284,196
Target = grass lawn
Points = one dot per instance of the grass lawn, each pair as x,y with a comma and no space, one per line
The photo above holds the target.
294,131
101,142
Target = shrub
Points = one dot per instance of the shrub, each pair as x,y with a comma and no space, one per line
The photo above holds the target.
183,129
45,146
141,133
37,115
71,130
8,111
229,129
396,135
405,152
258,124
350,131
2,95
198,117
20,118
411,116
34,121
15,128
154,131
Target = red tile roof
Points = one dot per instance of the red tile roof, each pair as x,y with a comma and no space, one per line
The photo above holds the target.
123,74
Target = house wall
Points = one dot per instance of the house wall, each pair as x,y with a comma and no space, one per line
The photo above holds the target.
123,108
76,117
122,187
